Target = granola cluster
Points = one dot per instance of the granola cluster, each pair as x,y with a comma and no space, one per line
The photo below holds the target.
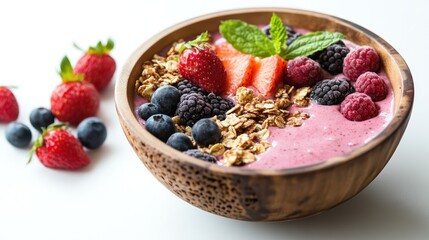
246,128
159,71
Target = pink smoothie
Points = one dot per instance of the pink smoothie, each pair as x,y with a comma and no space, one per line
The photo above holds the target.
326,134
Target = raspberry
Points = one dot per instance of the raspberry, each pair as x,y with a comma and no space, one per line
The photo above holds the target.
373,85
303,71
220,106
193,107
185,86
358,107
331,92
331,59
360,60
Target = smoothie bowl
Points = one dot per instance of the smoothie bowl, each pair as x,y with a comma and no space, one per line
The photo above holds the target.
285,130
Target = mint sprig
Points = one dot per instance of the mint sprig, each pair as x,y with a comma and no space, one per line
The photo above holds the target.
250,39
310,43
278,34
247,38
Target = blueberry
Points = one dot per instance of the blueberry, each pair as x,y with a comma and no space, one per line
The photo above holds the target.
206,132
166,98
161,126
91,132
146,110
41,118
18,134
201,155
180,141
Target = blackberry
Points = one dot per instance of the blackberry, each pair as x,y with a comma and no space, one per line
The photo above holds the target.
219,105
193,107
331,59
331,92
186,87
201,155
291,34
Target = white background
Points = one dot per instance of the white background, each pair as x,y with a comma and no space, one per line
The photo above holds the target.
117,198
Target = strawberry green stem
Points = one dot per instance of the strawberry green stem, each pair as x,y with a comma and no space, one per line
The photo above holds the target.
198,42
100,48
66,71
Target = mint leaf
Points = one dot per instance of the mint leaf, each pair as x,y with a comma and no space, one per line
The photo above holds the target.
278,33
310,43
247,38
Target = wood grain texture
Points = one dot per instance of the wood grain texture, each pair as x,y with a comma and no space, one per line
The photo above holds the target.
268,194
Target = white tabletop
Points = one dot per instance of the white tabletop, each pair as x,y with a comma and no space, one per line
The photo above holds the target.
116,197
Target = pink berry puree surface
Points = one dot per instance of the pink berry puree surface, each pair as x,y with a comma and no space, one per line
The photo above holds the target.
326,134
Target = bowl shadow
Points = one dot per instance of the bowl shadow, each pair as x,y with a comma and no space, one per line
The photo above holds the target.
369,214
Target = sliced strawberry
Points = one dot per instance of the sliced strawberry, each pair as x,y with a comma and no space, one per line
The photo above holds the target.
225,49
268,74
238,66
239,71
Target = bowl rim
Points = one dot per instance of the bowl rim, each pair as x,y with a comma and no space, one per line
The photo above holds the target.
400,117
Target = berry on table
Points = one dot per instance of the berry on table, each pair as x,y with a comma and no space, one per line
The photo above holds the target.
206,132
41,118
166,99
9,109
201,155
97,66
358,107
331,59
373,85
92,133
303,72
180,141
146,110
73,100
331,91
193,107
199,63
57,148
18,134
161,126
360,60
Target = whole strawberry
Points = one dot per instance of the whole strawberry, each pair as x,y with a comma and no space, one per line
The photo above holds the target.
97,65
199,63
9,109
73,100
58,148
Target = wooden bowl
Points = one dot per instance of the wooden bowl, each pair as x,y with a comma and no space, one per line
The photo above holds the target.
267,194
